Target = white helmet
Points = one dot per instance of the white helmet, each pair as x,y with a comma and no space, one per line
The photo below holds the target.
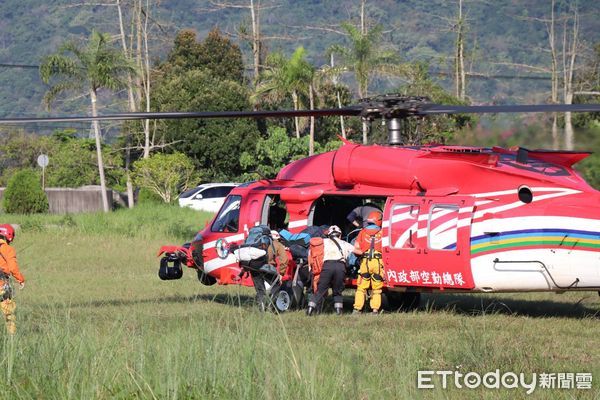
334,230
275,235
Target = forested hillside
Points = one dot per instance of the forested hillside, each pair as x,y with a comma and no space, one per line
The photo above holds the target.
502,31
216,55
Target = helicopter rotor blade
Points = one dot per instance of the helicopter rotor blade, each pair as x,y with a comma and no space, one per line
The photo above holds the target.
367,110
346,111
432,109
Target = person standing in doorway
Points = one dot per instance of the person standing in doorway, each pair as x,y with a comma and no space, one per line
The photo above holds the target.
371,272
358,216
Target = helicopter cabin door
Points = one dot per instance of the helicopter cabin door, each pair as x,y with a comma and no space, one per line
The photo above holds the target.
426,242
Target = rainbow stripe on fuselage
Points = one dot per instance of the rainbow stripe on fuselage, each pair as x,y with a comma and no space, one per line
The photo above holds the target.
536,238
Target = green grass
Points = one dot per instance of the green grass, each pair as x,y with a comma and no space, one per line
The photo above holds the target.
95,322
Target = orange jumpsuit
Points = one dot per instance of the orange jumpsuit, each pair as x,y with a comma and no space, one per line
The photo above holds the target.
8,267
371,271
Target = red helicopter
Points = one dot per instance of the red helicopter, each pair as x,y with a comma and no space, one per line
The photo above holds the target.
458,219
455,218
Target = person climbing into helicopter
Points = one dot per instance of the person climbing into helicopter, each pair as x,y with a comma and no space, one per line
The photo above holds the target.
371,272
358,216
8,268
272,272
335,253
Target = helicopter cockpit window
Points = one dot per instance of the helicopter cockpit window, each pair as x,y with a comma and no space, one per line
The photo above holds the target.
442,230
228,219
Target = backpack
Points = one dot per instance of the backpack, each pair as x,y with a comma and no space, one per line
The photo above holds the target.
316,254
256,233
256,260
290,239
315,231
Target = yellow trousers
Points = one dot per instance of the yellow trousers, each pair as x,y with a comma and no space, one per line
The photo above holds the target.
370,277
8,307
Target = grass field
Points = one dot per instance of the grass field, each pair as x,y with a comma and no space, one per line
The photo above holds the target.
95,322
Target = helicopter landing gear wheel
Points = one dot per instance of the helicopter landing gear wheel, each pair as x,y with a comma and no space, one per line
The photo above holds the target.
206,279
283,301
289,297
406,301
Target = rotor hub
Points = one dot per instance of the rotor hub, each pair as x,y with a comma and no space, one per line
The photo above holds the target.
393,109
389,106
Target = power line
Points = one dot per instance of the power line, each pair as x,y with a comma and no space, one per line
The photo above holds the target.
29,66
475,75
478,75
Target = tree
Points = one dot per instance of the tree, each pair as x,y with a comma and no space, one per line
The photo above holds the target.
286,77
81,69
441,128
20,150
272,153
164,174
24,194
138,86
563,56
73,162
216,53
365,56
460,80
571,48
213,144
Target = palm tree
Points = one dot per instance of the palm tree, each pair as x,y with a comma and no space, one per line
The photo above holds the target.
284,77
365,56
77,69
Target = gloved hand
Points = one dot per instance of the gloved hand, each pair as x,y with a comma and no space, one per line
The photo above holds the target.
22,285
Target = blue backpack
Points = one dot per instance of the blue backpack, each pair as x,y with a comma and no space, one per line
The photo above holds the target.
257,235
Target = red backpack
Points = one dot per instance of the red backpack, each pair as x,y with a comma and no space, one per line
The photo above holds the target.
316,253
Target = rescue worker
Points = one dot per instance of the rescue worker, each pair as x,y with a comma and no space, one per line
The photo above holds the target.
8,267
277,262
358,216
335,253
371,272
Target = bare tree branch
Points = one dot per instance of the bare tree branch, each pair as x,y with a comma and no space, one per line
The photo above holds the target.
524,66
320,28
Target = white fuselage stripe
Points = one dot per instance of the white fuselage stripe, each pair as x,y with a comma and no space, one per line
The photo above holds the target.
298,223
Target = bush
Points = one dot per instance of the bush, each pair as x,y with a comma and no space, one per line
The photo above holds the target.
24,194
164,174
146,196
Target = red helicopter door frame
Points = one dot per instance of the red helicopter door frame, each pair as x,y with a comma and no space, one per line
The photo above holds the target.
427,242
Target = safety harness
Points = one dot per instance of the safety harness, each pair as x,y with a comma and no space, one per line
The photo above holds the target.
373,255
343,259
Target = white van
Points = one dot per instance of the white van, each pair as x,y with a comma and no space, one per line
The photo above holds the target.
206,197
